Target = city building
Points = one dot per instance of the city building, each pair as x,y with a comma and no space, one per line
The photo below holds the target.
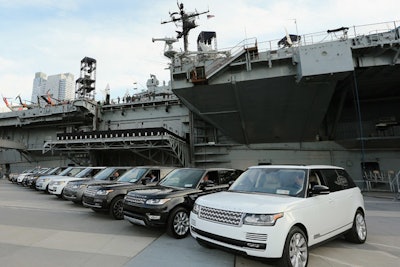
59,87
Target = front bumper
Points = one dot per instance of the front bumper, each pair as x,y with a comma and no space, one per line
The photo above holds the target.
96,202
256,241
41,185
56,189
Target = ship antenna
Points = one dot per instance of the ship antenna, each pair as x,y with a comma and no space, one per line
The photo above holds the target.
188,23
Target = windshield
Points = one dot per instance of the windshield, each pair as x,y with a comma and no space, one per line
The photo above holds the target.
281,181
83,173
183,178
104,174
65,172
132,176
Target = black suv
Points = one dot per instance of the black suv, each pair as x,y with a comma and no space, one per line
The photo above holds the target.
169,202
74,189
109,196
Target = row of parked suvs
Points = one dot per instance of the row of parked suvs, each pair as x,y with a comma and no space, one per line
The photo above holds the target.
274,211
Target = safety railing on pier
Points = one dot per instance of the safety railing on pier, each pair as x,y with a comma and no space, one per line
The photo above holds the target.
389,179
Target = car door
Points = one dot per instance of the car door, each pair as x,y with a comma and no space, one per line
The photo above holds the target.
338,198
317,211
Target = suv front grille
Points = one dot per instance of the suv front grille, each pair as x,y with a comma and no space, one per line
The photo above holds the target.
220,216
135,199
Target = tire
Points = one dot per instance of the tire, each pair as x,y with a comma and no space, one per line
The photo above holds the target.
358,232
116,208
295,251
178,223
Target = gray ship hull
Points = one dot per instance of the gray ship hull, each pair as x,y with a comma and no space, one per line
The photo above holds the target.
264,110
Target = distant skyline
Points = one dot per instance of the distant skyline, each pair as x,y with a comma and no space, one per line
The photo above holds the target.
53,36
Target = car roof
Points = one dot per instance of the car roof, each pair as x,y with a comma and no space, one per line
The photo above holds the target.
292,166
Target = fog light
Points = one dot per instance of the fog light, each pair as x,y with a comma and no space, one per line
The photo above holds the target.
256,246
153,217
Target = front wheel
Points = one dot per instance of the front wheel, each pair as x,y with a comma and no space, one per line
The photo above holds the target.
295,251
357,233
116,208
178,223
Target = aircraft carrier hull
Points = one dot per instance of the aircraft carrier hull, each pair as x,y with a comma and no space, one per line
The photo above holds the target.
263,110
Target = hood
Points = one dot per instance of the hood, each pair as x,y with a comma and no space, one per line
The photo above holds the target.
158,191
113,185
52,177
249,202
68,179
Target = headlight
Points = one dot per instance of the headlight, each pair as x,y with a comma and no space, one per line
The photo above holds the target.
57,182
46,180
82,186
104,192
262,219
196,208
157,201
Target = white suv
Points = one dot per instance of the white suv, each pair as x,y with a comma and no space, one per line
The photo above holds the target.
279,211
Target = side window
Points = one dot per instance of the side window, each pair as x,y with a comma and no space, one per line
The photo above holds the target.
314,179
153,175
212,176
121,171
337,180
343,175
227,176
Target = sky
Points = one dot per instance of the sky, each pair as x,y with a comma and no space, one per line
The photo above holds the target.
53,36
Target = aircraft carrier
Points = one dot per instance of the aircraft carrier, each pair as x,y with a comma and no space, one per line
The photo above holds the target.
325,98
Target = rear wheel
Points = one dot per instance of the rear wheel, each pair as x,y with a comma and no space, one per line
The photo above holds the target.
178,223
358,233
295,251
116,208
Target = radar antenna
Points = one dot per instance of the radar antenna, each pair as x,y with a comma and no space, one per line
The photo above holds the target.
168,48
188,23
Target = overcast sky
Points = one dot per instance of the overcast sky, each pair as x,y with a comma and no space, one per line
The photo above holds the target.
53,36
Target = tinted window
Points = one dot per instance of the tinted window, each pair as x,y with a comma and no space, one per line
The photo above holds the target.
227,176
337,180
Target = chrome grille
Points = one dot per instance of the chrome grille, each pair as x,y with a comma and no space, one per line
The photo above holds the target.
220,216
135,199
256,236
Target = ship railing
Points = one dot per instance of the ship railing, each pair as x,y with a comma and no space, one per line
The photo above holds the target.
231,54
362,36
385,31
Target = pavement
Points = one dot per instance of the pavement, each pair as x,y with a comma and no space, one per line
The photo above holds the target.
38,229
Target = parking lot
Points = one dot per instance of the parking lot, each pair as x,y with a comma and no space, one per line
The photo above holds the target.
37,229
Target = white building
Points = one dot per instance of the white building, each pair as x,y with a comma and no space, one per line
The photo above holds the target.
39,86
60,86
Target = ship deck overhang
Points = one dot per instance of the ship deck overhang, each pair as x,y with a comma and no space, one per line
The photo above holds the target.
148,143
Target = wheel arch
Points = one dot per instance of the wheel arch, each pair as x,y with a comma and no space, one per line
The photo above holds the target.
303,228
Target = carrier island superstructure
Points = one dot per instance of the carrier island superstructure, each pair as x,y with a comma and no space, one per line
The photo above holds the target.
324,98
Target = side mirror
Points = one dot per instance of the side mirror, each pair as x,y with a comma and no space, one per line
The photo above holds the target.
205,184
320,190
145,180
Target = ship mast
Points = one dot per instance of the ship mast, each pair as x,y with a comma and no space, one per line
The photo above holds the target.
188,23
